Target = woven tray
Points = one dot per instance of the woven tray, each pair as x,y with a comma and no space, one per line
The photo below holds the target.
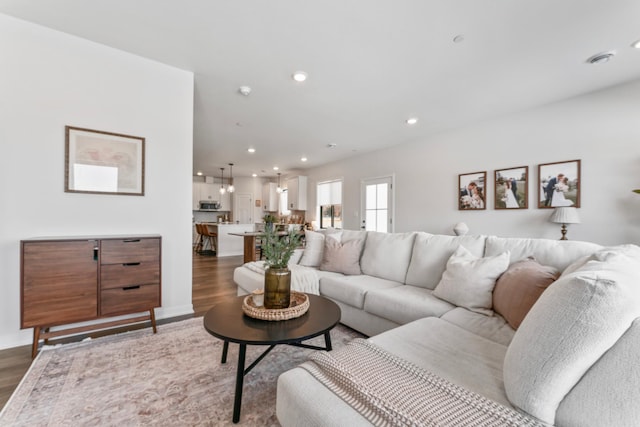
297,307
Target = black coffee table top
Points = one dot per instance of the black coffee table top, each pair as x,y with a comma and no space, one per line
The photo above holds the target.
228,322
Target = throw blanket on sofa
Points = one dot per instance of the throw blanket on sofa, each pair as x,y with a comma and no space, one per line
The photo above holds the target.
389,391
302,279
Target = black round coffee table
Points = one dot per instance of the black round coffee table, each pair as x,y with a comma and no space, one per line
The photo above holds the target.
228,322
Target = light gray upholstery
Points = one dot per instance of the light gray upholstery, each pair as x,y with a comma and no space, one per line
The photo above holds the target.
431,253
494,328
387,255
352,289
405,304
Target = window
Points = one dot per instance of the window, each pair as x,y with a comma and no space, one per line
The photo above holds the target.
377,204
329,197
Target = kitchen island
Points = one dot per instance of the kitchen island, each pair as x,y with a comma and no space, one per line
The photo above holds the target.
229,245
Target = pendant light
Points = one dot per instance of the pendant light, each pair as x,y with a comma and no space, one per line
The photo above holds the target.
278,188
222,190
231,188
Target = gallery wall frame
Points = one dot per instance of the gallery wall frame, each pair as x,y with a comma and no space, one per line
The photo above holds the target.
472,191
512,188
559,184
100,162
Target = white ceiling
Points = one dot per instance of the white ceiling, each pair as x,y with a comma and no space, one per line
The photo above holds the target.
371,65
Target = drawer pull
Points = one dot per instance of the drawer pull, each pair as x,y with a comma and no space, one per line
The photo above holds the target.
126,264
128,288
131,240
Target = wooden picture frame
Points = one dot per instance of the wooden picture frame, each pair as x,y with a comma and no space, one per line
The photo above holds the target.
559,184
99,162
472,191
512,188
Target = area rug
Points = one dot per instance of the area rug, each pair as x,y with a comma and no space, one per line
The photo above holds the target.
173,378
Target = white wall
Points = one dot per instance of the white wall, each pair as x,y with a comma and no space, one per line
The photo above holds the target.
48,80
602,129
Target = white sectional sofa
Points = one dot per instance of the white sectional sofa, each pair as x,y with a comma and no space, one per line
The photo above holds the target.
572,361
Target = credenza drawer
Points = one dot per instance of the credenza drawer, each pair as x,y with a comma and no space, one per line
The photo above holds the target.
129,299
118,251
126,274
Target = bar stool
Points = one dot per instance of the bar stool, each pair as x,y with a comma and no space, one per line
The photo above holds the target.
210,237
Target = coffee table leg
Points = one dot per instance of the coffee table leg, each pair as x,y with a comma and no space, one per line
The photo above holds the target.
237,401
225,350
327,341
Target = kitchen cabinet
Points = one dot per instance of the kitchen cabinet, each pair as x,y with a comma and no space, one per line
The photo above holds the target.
205,191
270,197
297,193
67,280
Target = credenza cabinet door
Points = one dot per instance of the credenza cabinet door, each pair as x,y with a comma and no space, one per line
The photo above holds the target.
60,282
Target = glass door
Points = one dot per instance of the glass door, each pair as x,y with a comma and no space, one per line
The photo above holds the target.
377,204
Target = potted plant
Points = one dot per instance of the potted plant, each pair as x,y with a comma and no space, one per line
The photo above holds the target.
278,249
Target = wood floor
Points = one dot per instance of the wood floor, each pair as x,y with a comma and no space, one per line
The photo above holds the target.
212,282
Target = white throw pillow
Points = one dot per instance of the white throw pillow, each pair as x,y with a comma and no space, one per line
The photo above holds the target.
314,245
468,281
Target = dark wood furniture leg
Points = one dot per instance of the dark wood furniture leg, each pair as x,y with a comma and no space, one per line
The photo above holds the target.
152,315
36,338
225,351
237,401
327,341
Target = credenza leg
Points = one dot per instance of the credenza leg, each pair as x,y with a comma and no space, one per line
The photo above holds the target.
152,314
36,339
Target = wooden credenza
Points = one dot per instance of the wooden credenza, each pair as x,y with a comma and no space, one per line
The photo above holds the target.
66,280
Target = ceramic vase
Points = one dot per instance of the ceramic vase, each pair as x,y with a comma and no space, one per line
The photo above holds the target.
277,288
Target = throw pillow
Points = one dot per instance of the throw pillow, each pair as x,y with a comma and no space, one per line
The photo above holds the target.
342,257
519,288
468,281
314,245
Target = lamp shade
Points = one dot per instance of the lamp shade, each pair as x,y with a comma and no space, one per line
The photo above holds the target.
565,215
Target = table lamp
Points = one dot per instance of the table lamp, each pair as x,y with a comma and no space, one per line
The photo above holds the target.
564,216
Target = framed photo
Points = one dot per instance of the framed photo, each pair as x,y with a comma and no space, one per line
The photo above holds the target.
471,191
512,186
103,162
559,184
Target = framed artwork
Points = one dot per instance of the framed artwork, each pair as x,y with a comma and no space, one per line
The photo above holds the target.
512,186
103,162
471,191
559,184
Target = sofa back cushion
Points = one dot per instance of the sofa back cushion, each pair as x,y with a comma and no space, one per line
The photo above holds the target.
431,253
387,255
342,257
314,246
555,253
573,323
519,288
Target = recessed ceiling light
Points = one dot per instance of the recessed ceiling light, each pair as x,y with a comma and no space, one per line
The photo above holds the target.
254,175
601,58
251,150
199,173
244,90
636,44
412,120
332,145
299,76
459,38
303,159
275,168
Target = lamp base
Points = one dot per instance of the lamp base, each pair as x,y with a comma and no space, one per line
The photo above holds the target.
564,232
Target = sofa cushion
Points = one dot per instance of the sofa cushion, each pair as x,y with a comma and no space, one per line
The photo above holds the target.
352,289
575,321
387,255
404,304
555,253
314,246
493,328
451,352
468,281
519,288
430,254
342,257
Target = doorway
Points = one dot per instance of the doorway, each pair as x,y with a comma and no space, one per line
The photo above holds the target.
377,204
243,208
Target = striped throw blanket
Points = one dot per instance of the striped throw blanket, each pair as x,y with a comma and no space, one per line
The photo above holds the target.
389,391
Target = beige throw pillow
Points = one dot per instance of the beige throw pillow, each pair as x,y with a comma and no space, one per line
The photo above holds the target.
519,288
468,281
342,257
